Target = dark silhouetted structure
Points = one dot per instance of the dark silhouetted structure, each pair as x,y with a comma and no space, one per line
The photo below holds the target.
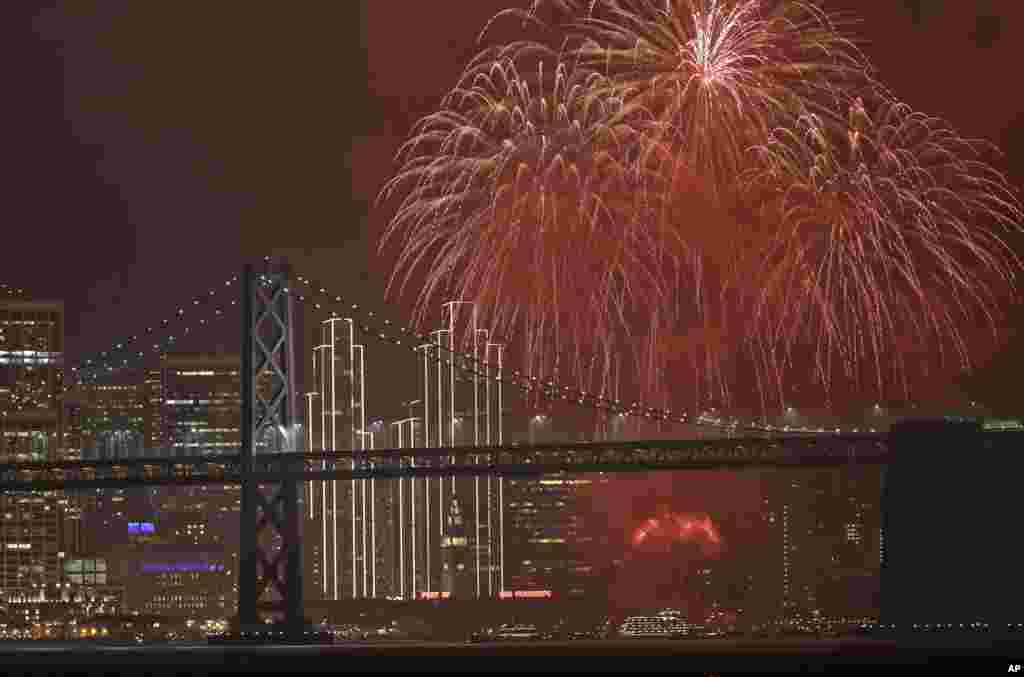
951,536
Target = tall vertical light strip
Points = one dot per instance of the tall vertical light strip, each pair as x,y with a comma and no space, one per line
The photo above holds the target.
401,520
370,585
412,503
362,447
330,335
412,421
426,480
451,383
440,445
426,536
451,363
476,443
363,426
490,499
334,447
440,437
451,379
501,486
451,396
323,463
356,442
309,437
373,527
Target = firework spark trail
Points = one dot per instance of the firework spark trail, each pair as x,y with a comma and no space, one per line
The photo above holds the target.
890,228
702,82
523,197
698,181
712,78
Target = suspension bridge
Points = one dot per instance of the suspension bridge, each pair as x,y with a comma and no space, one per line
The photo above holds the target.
271,467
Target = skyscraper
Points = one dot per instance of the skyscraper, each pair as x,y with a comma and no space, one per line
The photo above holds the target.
30,542
201,402
32,525
457,577
153,395
105,420
823,543
31,379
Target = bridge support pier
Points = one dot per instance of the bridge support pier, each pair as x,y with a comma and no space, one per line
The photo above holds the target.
270,556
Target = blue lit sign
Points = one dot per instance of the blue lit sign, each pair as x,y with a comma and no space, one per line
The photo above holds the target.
141,528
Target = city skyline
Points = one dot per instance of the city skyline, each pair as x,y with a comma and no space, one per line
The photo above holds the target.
557,540
158,173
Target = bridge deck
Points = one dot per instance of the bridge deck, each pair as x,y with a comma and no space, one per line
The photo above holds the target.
643,456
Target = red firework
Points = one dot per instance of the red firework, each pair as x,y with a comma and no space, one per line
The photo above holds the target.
663,530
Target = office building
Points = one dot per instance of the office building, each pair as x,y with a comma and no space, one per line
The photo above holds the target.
201,402
105,420
153,420
31,379
545,536
176,580
34,527
31,538
824,543
796,509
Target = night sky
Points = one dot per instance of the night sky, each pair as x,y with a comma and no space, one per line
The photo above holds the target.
151,147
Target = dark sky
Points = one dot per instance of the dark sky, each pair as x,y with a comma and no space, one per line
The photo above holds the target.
150,147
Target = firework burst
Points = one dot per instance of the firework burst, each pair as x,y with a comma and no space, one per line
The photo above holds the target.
702,82
883,236
700,181
712,78
523,194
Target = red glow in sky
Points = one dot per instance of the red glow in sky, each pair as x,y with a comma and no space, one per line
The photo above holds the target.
653,532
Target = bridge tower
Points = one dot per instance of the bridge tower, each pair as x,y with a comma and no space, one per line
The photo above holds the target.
951,507
270,566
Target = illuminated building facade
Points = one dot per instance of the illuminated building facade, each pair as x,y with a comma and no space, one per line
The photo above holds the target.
169,523
201,402
177,580
153,421
824,542
106,420
101,420
544,535
190,405
853,587
88,571
457,577
31,535
83,590
338,544
31,379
